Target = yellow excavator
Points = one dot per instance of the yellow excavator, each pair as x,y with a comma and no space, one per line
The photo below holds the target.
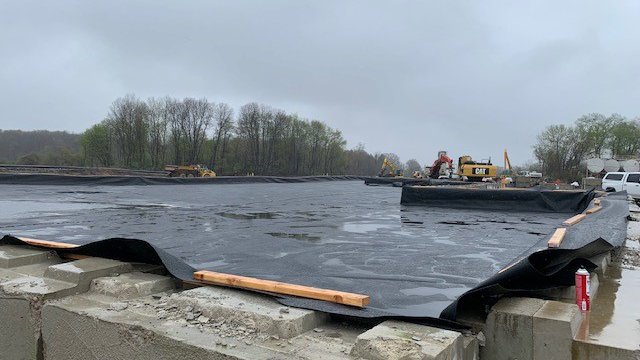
389,169
189,171
476,170
508,170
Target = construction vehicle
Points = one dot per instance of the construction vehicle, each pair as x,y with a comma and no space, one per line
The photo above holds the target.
476,170
189,171
389,169
443,166
507,171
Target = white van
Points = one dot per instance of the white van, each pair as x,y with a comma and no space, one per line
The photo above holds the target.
620,181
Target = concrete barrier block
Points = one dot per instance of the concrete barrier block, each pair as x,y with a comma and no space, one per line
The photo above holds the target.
100,335
554,327
400,340
249,310
583,350
509,329
101,324
19,332
471,348
82,272
132,285
602,261
14,256
31,278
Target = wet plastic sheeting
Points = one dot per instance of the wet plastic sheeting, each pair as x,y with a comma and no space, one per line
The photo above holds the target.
412,261
540,268
521,200
121,180
336,235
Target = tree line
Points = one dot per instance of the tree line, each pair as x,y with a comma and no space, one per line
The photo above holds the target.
255,138
39,147
561,149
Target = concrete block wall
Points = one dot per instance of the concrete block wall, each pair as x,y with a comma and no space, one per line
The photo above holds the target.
96,308
530,329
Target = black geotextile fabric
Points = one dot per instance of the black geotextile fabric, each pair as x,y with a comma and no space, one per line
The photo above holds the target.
134,250
55,179
521,200
541,268
536,269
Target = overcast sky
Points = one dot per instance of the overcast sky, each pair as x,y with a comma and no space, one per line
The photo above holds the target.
411,77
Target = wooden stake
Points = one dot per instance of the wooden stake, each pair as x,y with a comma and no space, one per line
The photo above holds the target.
214,278
48,244
557,238
593,210
574,220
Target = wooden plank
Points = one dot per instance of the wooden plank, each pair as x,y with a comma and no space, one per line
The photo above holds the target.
596,202
214,278
593,209
48,244
557,238
574,220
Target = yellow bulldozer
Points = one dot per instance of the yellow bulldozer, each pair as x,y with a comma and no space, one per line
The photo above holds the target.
189,171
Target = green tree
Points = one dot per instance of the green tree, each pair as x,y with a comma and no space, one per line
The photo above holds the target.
96,146
560,152
29,159
411,166
593,130
624,139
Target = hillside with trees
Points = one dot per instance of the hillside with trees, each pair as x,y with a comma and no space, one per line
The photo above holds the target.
39,147
141,134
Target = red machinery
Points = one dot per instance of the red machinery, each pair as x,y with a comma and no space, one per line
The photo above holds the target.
434,173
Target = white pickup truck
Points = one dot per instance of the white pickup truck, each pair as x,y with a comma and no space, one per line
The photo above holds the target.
623,181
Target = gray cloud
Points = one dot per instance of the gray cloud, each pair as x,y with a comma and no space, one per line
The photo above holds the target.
409,77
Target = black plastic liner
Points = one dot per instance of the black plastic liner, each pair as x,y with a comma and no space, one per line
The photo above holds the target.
55,179
541,268
536,269
140,251
525,200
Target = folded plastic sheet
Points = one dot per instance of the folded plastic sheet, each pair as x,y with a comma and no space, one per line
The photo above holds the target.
521,200
140,251
541,268
537,268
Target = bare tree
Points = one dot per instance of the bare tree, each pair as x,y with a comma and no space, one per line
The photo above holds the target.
197,117
158,120
128,122
223,117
